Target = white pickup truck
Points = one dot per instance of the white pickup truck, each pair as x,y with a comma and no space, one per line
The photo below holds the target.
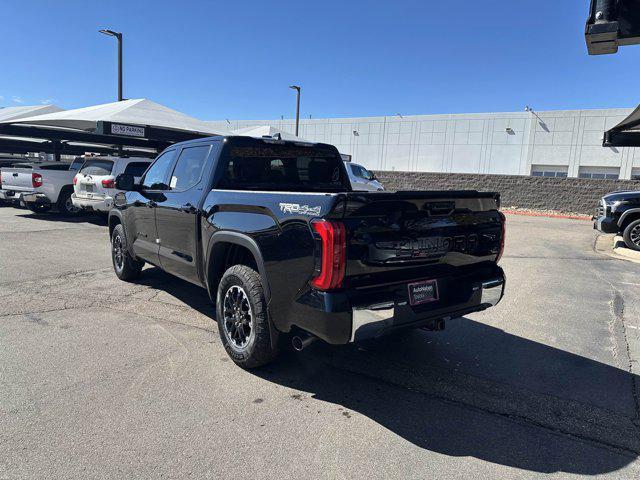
41,186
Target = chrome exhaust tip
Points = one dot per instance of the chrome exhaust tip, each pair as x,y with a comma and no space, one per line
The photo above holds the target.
299,342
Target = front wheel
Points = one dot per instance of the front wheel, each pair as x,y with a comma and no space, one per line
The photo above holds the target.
631,235
126,267
243,324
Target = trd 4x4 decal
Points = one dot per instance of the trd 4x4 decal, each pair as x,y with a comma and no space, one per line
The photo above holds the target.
294,208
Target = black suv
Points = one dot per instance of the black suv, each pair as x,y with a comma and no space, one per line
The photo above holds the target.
619,212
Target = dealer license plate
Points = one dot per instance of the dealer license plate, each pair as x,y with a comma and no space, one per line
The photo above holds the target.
423,292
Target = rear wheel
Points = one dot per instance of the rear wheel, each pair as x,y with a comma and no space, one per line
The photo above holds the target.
38,208
126,267
65,204
241,312
631,235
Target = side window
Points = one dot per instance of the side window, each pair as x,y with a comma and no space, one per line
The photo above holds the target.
156,176
189,167
358,171
366,174
136,168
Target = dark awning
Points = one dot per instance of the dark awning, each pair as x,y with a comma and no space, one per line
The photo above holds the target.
626,133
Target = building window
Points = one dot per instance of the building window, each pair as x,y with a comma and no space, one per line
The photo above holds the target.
557,171
599,173
635,174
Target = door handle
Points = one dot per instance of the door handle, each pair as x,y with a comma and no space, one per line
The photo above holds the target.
188,208
151,204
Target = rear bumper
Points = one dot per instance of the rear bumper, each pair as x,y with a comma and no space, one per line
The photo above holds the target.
378,320
343,317
35,198
605,224
98,204
10,195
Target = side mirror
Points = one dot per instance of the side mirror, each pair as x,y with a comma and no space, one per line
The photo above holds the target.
126,182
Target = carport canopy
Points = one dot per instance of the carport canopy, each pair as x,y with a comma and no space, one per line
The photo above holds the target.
626,133
23,111
140,127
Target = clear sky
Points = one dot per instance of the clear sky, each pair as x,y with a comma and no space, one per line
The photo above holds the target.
236,59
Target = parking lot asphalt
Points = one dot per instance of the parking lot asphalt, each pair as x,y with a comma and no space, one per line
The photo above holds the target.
105,379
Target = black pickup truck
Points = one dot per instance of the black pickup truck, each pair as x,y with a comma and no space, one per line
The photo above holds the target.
286,248
619,212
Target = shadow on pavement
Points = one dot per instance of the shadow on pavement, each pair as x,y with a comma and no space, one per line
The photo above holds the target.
91,218
473,390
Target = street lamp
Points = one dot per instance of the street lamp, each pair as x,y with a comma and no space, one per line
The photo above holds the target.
297,89
118,35
530,110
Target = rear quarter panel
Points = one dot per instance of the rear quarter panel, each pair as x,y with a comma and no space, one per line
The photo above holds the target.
281,232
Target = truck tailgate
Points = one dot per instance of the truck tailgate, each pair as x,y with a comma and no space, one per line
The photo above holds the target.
417,235
17,179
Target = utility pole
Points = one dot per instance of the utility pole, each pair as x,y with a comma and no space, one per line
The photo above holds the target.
297,89
118,36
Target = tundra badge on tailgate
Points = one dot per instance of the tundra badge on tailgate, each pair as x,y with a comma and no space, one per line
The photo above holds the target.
300,209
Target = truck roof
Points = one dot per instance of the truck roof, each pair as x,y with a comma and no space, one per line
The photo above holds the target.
264,138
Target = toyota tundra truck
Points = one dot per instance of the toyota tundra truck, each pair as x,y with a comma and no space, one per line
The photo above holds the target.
40,186
619,212
288,250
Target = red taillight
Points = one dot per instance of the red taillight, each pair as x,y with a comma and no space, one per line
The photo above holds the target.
502,236
333,256
111,183
36,180
75,180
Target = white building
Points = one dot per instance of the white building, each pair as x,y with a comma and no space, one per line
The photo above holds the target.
551,143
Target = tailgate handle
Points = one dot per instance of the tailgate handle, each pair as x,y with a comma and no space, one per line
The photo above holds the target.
440,208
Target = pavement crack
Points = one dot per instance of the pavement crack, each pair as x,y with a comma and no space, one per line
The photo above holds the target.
617,319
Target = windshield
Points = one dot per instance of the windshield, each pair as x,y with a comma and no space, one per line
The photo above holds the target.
264,166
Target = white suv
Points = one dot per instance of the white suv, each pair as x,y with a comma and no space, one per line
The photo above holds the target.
94,187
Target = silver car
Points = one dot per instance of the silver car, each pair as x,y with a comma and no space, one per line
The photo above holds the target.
362,179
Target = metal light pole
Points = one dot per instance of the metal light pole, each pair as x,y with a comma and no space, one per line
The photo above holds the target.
118,35
297,89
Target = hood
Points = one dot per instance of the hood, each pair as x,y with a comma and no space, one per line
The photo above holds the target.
625,195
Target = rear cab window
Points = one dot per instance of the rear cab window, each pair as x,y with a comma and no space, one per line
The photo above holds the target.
59,167
99,167
252,164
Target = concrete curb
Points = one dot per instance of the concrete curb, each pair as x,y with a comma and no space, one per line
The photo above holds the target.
605,244
620,248
548,215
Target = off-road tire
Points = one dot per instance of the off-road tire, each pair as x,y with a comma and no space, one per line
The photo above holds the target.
631,235
259,350
38,207
65,206
126,267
